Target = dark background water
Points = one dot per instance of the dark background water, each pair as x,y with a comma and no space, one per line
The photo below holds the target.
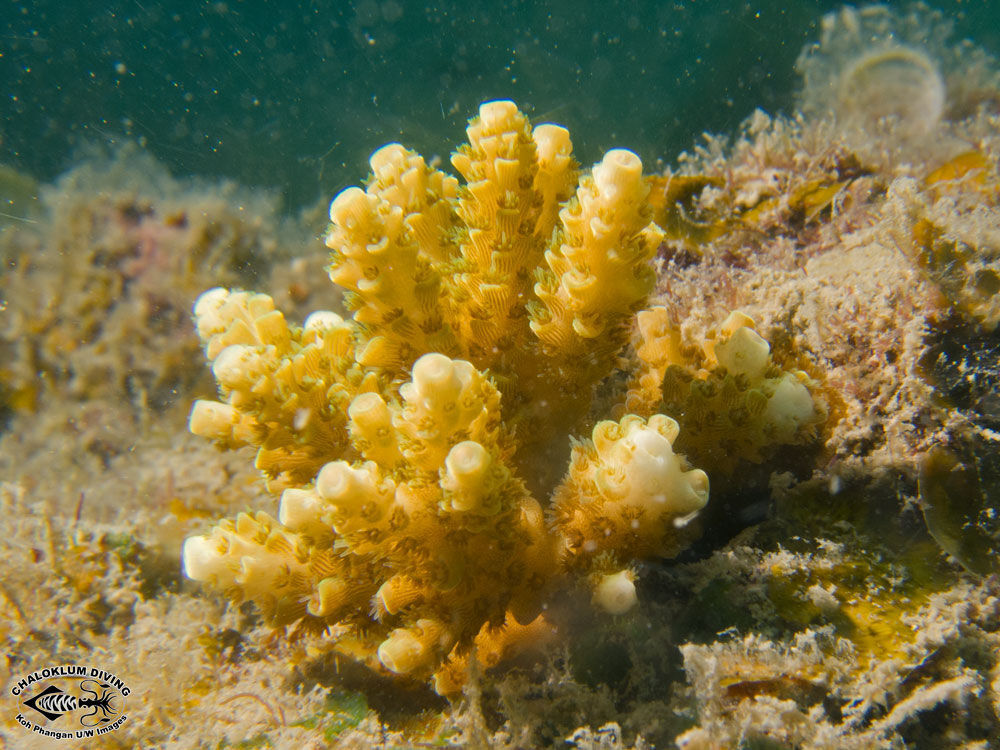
295,95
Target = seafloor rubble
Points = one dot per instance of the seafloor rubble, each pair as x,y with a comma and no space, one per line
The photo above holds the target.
841,263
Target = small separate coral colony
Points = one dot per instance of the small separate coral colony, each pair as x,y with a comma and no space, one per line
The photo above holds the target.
514,424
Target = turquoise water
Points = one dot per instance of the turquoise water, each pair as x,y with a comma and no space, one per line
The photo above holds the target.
296,95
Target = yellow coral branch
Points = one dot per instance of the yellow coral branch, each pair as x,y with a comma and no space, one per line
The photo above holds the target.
600,272
285,389
626,494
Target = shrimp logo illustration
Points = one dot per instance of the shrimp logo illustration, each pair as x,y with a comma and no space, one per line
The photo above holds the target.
71,702
53,702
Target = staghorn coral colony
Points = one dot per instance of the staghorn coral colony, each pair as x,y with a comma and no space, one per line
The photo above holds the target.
486,473
419,446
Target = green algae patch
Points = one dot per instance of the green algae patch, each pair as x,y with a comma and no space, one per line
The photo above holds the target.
866,592
251,743
344,710
856,563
